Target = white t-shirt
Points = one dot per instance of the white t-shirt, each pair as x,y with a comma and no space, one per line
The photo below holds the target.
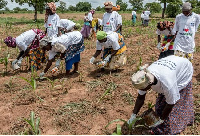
142,16
66,39
165,32
52,25
186,27
25,39
173,74
110,21
67,24
90,16
133,13
112,42
99,21
120,19
146,15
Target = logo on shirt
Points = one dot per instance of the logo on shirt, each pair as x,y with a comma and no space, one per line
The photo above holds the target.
112,19
186,30
192,24
107,23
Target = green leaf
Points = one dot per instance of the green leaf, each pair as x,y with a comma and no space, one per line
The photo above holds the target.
119,129
116,120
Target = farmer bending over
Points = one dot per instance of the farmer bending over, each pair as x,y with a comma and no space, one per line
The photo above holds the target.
114,50
69,45
174,104
28,44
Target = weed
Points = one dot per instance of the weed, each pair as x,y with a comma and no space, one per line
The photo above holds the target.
112,86
93,84
127,97
34,125
52,82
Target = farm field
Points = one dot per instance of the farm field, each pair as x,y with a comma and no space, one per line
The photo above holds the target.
80,104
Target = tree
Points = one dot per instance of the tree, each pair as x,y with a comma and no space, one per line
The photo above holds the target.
154,7
173,9
62,7
3,4
138,4
99,8
16,9
123,5
71,8
168,1
36,4
83,6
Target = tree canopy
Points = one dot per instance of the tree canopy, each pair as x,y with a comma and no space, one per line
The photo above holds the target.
3,4
137,4
83,6
123,5
36,4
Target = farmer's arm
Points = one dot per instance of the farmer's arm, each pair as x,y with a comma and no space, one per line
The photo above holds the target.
139,103
118,27
49,63
97,53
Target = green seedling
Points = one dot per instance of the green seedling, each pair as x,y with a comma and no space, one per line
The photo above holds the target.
52,82
32,81
5,62
112,86
119,130
34,124
150,105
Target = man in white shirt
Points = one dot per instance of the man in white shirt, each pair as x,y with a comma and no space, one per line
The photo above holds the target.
186,24
111,20
52,21
171,78
142,18
146,17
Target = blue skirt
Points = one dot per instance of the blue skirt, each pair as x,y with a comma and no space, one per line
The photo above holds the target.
71,61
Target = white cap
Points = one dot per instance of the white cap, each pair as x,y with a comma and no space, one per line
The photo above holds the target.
142,79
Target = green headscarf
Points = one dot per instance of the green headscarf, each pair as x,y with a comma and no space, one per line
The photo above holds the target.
101,35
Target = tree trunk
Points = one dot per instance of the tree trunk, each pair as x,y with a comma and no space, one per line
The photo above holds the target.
35,16
163,12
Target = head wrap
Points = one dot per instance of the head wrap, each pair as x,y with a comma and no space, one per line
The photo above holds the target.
186,6
78,25
92,11
52,7
10,41
142,79
101,35
44,41
108,4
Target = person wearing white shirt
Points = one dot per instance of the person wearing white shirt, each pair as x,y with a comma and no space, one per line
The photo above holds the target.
134,17
171,78
52,21
114,50
66,25
146,17
164,28
70,45
186,24
111,19
28,44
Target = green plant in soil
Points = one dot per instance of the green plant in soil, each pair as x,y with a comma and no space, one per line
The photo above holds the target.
112,86
34,123
32,81
5,62
52,82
